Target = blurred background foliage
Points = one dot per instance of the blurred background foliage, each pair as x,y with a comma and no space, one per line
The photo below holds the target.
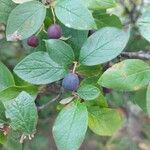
135,131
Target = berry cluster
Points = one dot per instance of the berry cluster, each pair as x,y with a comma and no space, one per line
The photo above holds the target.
71,81
53,32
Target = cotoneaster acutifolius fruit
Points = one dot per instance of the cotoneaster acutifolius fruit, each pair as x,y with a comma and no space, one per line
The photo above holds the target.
54,31
70,82
33,41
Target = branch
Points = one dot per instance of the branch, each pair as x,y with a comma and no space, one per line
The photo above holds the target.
139,55
48,103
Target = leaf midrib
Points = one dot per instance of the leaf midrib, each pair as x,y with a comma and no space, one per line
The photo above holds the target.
68,10
82,60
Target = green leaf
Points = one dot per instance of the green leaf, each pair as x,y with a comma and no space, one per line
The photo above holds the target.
148,99
39,68
3,138
23,21
23,113
40,142
74,14
128,75
137,42
99,4
11,93
20,82
6,6
2,113
12,142
104,121
91,80
100,101
6,78
107,20
104,45
73,119
115,98
76,38
104,4
140,99
89,71
144,25
88,92
60,52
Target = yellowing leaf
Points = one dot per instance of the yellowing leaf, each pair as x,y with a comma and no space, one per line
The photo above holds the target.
128,75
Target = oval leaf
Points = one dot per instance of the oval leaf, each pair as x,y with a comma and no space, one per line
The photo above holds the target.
60,52
107,20
74,14
23,113
89,71
104,45
23,21
76,38
139,99
6,6
104,4
128,75
39,68
6,78
100,4
88,92
70,127
11,93
144,25
104,121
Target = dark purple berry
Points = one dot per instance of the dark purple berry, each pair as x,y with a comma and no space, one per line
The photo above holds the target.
71,82
106,90
54,31
33,41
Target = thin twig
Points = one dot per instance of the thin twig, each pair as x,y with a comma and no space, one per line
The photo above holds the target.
48,103
41,28
139,55
53,13
74,67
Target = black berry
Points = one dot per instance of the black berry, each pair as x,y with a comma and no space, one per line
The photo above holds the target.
33,41
54,31
71,82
